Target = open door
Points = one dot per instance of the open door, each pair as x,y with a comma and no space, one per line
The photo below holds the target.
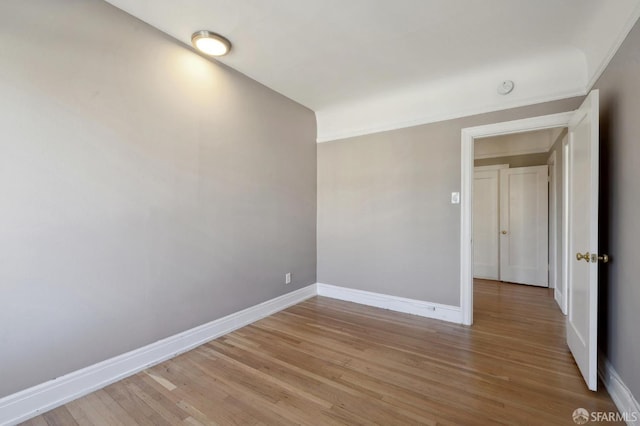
582,316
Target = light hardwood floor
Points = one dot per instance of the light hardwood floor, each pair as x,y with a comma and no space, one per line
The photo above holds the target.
328,362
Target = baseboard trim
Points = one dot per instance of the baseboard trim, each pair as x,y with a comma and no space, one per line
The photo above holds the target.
401,304
619,392
33,401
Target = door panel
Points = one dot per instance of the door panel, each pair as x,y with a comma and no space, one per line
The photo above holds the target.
583,239
523,225
485,224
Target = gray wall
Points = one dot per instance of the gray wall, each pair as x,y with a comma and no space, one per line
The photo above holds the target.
385,221
145,190
525,160
620,210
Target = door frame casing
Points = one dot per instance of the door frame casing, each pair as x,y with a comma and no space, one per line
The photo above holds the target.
468,136
566,225
553,222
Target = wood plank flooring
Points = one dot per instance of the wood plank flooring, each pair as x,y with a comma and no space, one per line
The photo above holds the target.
328,362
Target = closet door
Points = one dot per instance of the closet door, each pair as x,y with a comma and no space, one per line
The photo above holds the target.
524,234
486,241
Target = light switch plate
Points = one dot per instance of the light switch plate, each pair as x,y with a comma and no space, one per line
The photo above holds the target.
455,198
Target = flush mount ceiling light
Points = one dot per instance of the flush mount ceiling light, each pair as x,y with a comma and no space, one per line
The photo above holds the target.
210,43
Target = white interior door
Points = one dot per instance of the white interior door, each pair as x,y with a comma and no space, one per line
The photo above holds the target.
524,218
486,221
582,325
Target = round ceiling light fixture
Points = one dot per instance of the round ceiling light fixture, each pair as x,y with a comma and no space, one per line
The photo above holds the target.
210,43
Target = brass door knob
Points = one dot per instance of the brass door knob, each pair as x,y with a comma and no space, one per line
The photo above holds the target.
504,232
586,256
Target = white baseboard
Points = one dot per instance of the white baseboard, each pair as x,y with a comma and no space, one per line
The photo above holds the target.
394,303
619,392
30,402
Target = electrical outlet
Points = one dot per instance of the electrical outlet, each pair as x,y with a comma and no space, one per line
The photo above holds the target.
287,278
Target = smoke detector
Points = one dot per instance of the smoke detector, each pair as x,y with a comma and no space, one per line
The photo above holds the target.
505,87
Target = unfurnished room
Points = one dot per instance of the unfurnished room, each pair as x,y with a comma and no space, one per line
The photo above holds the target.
319,212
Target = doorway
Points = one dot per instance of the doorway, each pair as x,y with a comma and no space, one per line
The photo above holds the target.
469,137
581,217
515,236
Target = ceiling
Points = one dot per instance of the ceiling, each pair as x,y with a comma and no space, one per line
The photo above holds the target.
373,65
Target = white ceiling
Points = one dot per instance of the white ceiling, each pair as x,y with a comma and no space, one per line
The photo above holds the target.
371,65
